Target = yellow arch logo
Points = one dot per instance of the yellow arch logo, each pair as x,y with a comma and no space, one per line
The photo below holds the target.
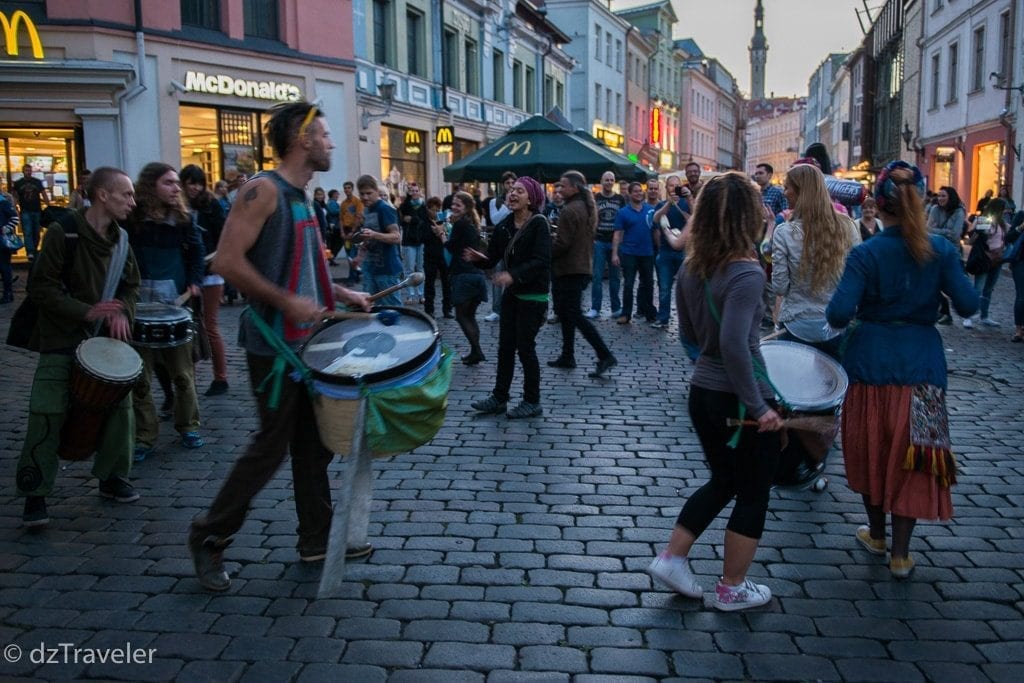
10,29
412,142
513,148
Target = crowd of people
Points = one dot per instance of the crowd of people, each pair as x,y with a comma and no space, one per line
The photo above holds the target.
739,255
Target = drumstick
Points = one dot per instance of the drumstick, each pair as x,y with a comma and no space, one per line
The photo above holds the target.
774,335
386,317
180,301
209,257
411,281
816,423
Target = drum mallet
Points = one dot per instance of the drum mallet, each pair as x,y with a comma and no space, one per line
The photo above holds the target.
411,281
387,317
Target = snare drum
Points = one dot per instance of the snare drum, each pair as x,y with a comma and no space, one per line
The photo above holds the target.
161,326
353,359
814,385
104,372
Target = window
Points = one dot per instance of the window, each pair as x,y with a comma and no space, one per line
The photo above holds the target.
934,104
549,93
261,19
954,68
414,43
517,84
1004,45
451,58
597,101
608,49
618,109
201,13
618,56
597,42
381,39
531,89
560,94
609,114
472,58
978,60
498,74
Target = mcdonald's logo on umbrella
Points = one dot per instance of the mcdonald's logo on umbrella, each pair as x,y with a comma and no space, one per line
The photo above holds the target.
10,29
413,142
444,138
514,147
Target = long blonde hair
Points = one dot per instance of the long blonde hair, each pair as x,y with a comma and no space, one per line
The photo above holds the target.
727,220
827,239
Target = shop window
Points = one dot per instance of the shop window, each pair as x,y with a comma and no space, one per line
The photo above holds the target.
51,153
398,166
261,20
222,140
988,164
201,13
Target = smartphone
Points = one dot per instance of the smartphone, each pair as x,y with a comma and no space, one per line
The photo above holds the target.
440,216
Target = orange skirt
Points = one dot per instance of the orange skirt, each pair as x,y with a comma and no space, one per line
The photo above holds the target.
876,436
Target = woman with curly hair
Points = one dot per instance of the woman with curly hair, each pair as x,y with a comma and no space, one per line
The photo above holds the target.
896,443
719,301
808,252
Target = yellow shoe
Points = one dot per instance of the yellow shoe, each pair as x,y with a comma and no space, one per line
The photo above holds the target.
901,567
875,546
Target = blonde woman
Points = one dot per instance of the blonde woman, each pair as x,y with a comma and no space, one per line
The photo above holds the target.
808,253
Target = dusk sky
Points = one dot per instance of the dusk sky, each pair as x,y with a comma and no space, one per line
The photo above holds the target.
800,33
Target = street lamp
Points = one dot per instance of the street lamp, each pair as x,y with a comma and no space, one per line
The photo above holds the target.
908,137
387,93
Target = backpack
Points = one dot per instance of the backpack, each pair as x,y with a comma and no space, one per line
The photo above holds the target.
25,318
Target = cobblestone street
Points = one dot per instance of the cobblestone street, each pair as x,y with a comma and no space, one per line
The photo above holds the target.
516,550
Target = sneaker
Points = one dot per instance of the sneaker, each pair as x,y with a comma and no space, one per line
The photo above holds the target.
968,323
603,366
356,552
901,567
217,387
208,559
622,320
192,440
118,489
473,358
945,320
141,453
989,322
524,410
489,406
35,512
591,314
675,572
875,546
491,317
313,553
744,596
562,362
659,324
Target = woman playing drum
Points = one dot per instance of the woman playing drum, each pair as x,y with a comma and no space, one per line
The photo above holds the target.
720,287
895,426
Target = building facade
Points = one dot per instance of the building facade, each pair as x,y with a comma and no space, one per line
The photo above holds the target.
92,84
639,50
818,119
774,131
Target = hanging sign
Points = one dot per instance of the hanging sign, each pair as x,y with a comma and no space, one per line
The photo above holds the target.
10,30
444,139
413,142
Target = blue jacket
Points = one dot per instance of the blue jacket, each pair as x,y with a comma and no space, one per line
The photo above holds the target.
896,304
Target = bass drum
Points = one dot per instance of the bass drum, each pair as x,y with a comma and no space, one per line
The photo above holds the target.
814,385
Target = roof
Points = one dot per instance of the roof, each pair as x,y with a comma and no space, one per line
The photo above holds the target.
643,9
690,47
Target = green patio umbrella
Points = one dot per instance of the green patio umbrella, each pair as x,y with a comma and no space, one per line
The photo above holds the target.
542,150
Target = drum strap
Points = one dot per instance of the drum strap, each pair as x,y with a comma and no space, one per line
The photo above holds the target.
285,357
760,372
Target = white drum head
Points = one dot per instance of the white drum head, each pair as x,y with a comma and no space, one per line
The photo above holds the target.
109,359
808,379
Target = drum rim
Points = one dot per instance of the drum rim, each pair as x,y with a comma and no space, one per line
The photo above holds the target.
91,372
184,314
821,407
380,375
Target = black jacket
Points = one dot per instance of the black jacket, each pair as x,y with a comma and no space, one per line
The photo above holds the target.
526,253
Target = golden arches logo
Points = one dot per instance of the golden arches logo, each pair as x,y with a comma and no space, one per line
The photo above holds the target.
444,139
413,142
513,148
10,29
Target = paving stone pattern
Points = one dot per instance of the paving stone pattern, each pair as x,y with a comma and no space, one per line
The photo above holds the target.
516,550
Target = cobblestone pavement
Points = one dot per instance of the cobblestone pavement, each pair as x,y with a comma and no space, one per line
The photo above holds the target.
515,551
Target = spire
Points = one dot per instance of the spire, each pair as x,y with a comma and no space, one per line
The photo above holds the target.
758,54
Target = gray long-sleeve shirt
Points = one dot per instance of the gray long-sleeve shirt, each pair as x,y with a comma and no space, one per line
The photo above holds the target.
726,350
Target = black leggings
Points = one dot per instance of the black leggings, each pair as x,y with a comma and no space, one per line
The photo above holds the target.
465,316
744,473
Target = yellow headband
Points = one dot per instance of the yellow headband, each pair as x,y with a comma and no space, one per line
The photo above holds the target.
310,115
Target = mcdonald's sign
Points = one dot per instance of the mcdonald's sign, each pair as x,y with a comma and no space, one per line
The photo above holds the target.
656,127
444,138
413,142
513,148
10,29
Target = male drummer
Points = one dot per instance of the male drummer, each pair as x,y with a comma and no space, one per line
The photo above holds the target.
270,249
67,286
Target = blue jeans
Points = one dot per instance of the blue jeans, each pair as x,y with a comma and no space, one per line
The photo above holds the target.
644,266
984,283
1018,284
30,221
412,260
374,282
603,257
667,264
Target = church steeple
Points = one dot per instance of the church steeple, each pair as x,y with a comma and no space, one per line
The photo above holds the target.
758,55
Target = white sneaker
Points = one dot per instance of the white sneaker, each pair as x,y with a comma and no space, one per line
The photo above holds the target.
675,573
591,314
990,322
491,317
744,596
968,323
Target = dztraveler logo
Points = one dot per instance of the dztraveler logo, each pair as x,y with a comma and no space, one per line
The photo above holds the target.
10,29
